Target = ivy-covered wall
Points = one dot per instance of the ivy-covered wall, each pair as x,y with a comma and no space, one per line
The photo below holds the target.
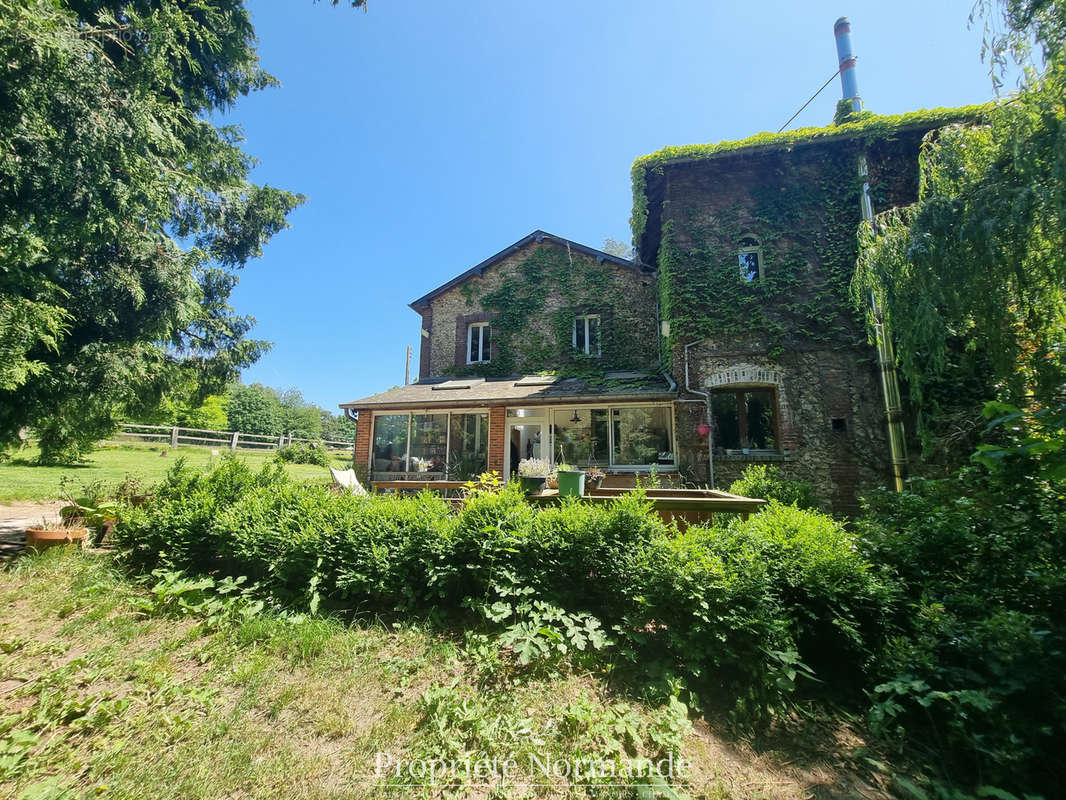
531,298
803,208
797,322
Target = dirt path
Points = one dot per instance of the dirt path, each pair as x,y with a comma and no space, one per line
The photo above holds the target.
16,517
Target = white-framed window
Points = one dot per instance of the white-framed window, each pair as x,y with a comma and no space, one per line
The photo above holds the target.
587,334
478,343
750,257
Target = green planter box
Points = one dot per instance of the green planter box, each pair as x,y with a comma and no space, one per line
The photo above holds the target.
571,484
532,483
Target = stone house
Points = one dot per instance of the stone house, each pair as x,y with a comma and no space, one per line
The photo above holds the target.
737,312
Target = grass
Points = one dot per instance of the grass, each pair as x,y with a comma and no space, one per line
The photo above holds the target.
114,691
22,479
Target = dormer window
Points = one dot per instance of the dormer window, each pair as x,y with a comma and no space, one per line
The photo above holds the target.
750,257
478,343
587,334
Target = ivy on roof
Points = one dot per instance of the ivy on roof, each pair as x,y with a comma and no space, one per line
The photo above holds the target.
865,126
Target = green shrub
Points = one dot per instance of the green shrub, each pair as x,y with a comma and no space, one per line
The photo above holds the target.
836,603
763,480
176,528
303,453
732,611
976,668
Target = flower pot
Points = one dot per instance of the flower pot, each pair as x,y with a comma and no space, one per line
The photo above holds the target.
571,483
532,483
41,539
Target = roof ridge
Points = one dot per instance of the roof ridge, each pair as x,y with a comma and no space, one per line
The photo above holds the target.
538,235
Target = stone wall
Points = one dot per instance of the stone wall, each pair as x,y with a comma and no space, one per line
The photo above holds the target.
814,388
795,330
625,299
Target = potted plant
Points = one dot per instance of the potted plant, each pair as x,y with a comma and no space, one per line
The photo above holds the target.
593,477
50,534
533,474
91,507
571,480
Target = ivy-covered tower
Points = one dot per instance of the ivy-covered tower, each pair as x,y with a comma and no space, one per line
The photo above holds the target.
756,243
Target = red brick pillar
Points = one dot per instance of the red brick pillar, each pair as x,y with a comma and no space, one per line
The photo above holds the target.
497,437
364,431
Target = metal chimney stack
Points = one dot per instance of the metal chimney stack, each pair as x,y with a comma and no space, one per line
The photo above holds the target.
849,81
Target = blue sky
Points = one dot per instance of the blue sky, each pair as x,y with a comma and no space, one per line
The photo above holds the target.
428,136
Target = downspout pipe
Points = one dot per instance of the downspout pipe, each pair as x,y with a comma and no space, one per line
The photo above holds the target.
886,357
710,420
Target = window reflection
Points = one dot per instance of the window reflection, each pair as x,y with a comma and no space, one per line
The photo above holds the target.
642,436
468,446
581,437
390,443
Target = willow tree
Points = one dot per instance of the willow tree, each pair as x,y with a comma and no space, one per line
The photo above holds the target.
972,277
125,212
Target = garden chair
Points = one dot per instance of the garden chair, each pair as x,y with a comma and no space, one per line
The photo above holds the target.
345,479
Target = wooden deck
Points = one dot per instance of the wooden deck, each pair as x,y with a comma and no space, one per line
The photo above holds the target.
407,487
683,506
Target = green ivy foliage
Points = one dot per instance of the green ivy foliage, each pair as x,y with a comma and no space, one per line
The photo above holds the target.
524,345
971,276
866,129
805,227
805,219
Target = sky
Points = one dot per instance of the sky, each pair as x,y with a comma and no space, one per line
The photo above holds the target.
428,136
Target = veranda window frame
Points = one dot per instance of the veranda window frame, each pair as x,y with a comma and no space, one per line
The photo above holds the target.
410,431
611,408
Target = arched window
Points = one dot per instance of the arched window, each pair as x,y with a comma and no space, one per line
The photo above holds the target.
750,257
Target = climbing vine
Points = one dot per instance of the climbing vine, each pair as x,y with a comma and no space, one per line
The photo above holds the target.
805,218
534,306
863,127
805,226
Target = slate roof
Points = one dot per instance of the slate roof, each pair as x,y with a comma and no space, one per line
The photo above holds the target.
536,236
529,390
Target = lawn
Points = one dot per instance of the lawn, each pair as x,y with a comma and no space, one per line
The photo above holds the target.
110,690
22,479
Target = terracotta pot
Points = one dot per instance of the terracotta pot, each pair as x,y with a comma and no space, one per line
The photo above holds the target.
40,539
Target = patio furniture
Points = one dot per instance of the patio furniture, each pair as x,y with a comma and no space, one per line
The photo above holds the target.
345,479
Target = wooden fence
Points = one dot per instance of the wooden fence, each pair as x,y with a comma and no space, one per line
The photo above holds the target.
174,436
